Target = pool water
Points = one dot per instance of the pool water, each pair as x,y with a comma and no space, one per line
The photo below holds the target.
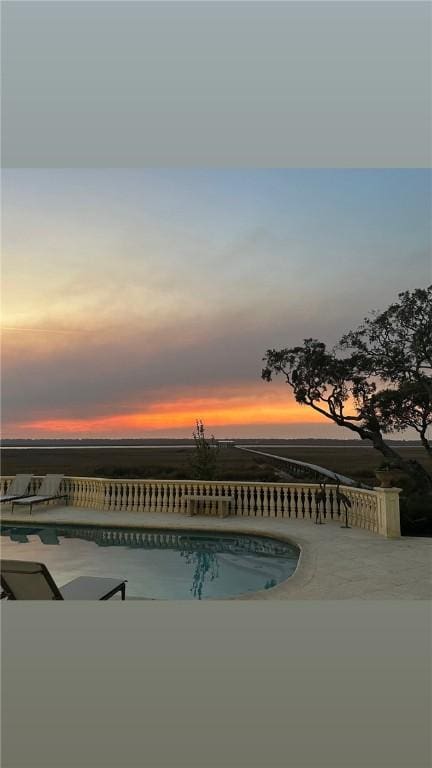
158,564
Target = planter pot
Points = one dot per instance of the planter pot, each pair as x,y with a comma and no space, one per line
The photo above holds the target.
385,476
389,478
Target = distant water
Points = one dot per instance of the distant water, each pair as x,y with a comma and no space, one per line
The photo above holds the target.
82,447
151,447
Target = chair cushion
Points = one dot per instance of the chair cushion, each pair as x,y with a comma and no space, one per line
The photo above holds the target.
89,588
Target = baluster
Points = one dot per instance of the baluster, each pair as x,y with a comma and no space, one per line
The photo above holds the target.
355,512
279,501
94,493
84,492
290,501
258,499
373,515
114,495
168,495
149,502
73,495
123,496
132,500
76,491
359,510
309,503
264,501
366,512
82,496
162,496
253,501
157,496
134,491
100,493
105,495
175,498
178,498
232,491
131,496
296,501
143,496
369,512
271,506
109,499
243,499
212,505
83,499
88,496
69,490
374,500
303,501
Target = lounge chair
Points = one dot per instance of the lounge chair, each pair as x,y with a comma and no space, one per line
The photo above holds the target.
24,580
49,490
48,536
17,489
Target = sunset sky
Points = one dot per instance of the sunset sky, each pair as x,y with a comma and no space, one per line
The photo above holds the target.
135,301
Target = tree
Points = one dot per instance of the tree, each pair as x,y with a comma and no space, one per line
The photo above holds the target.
206,454
396,347
407,406
376,380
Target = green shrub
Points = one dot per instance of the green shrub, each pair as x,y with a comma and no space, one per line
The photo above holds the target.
204,459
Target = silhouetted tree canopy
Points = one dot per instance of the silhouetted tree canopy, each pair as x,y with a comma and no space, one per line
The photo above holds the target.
396,347
377,380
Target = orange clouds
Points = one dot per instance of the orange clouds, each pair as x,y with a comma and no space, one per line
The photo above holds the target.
249,408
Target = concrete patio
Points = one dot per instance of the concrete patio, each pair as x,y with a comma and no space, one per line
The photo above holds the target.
335,563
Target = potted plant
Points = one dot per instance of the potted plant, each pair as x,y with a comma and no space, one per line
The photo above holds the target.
388,473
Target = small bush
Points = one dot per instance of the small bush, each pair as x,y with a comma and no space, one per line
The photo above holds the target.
204,459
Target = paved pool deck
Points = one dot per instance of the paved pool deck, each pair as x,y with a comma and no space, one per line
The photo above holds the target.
335,563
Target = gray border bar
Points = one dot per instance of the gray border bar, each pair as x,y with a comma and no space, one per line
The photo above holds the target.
307,685
239,84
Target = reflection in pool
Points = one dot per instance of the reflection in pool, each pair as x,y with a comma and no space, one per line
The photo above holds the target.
159,564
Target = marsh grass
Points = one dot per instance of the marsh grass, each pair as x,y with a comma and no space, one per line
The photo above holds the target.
174,463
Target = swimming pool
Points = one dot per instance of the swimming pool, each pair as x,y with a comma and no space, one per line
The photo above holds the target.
158,564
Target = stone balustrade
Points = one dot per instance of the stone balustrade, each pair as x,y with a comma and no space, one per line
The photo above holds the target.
376,510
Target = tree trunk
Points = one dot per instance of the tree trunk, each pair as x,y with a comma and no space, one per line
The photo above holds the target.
415,470
421,478
426,445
